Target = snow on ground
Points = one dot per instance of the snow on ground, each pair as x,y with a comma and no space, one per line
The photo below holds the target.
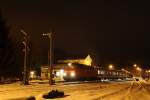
91,94
16,90
86,91
131,90
138,90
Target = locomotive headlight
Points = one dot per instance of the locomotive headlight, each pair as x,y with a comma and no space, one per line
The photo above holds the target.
73,74
64,74
61,71
57,73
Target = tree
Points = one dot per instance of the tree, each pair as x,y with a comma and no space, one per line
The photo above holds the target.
7,51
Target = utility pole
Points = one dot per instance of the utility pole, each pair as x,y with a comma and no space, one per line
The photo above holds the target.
25,42
50,57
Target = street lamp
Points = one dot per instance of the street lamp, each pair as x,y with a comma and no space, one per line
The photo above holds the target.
135,65
50,56
139,69
69,64
111,67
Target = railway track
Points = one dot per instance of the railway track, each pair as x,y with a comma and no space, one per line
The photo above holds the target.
137,90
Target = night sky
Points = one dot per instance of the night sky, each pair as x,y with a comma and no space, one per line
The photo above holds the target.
115,31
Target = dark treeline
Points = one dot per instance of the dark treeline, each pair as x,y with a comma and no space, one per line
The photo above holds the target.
8,51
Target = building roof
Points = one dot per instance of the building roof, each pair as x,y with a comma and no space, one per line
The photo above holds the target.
76,56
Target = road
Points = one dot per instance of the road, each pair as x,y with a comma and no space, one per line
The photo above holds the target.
112,90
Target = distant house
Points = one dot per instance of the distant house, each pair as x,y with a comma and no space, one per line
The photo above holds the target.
85,61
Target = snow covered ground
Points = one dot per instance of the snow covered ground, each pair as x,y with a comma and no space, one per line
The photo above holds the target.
130,90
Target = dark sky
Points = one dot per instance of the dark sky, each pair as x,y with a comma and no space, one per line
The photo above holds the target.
114,31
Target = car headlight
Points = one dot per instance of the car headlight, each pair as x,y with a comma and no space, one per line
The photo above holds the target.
72,74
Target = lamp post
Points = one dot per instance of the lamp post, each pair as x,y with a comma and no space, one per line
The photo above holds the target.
50,56
135,65
25,42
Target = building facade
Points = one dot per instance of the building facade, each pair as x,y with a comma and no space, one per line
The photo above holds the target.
85,61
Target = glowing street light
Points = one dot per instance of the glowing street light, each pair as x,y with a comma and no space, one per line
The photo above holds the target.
111,67
69,64
135,65
139,69
147,71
